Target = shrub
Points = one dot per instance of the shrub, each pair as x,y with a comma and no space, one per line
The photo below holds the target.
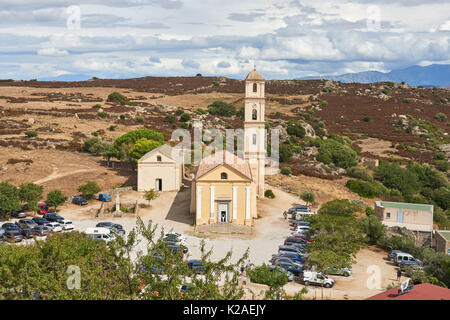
332,151
440,117
366,119
295,128
96,146
95,133
358,173
370,211
269,194
442,165
200,111
263,275
285,153
170,119
406,100
102,114
185,126
286,171
116,96
97,106
179,112
324,103
140,119
31,133
122,116
220,108
366,189
185,117
112,128
89,189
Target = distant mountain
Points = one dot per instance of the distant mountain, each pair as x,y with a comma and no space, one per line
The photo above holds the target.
68,77
435,75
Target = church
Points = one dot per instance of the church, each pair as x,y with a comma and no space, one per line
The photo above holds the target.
225,188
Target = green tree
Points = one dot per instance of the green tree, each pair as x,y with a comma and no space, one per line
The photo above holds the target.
9,197
285,153
30,193
141,147
221,108
275,279
308,197
89,189
373,228
55,198
150,195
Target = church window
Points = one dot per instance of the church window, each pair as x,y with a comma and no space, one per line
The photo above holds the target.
254,139
254,114
255,87
158,159
223,176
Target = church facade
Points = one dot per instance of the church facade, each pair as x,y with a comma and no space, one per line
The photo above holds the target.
225,188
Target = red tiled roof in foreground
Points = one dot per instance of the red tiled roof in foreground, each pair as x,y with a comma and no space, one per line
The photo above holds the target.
224,157
423,291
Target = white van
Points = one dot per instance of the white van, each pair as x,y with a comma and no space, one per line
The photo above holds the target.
103,234
300,215
317,278
403,257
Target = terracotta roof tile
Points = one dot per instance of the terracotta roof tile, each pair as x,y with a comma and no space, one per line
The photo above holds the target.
224,157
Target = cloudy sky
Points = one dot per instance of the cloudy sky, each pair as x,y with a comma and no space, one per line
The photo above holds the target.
285,38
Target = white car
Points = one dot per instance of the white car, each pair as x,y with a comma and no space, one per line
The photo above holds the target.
54,226
66,225
179,238
302,229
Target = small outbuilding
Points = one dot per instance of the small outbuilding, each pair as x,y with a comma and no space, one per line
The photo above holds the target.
412,216
442,238
160,169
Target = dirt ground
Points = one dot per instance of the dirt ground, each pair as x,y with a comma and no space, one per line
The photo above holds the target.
54,168
324,190
379,148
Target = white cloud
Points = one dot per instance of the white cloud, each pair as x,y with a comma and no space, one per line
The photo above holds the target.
54,52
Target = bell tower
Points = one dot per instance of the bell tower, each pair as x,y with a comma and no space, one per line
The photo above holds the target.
254,128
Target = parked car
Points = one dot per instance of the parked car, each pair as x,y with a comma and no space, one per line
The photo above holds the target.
295,269
299,246
196,265
79,200
18,214
26,233
286,260
10,226
291,255
13,236
2,232
392,254
42,208
302,228
299,207
26,224
66,224
175,235
40,221
176,249
282,270
53,217
408,271
283,249
294,240
410,263
346,272
55,226
317,278
113,227
40,231
174,239
104,197
403,257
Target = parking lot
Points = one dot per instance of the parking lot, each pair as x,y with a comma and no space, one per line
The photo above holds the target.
270,231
